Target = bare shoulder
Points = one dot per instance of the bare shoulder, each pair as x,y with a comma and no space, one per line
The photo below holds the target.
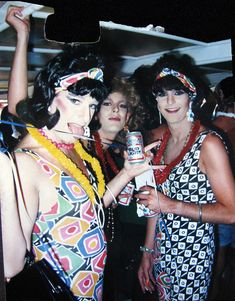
156,134
213,151
28,167
4,159
6,168
211,141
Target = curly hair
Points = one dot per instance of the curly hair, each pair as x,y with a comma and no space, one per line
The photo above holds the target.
124,86
35,110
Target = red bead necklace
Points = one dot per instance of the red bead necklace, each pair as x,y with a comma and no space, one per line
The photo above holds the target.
59,145
104,156
161,176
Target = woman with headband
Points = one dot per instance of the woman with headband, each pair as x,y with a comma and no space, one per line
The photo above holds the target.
58,209
194,191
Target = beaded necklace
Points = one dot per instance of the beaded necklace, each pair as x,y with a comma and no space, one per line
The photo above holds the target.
106,159
104,156
68,146
161,176
70,166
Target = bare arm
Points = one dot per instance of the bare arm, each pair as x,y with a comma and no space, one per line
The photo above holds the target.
214,162
12,232
127,174
17,89
145,272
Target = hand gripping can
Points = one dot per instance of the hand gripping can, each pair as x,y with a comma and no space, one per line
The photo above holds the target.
135,147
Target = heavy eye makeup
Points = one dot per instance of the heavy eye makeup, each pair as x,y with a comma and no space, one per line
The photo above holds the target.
94,106
106,103
74,99
175,92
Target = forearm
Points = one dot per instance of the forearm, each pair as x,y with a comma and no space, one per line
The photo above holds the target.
115,186
211,213
150,232
18,82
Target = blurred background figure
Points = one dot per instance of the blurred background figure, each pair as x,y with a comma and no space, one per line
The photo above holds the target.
224,278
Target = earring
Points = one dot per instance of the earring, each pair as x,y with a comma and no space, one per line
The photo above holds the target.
160,117
126,128
190,114
49,109
214,111
203,102
87,132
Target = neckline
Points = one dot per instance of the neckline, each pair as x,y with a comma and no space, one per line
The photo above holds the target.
161,176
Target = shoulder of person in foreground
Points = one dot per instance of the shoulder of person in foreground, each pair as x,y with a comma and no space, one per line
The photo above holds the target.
157,133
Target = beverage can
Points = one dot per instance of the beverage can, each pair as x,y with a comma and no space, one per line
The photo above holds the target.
135,147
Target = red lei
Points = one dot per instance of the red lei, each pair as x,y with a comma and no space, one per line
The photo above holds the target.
104,156
161,176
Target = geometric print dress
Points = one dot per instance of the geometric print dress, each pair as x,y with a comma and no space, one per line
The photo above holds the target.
69,235
184,249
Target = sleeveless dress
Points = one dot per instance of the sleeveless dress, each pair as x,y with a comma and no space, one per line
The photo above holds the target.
69,235
184,249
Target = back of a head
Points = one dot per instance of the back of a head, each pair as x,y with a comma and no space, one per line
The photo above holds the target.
225,90
227,86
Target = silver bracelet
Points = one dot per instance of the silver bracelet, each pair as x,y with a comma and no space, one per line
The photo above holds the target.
200,213
145,249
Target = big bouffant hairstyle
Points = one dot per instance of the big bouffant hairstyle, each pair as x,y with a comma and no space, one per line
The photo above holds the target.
182,64
35,110
185,65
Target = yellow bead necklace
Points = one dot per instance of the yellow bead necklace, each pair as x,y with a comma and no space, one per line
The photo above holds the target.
70,166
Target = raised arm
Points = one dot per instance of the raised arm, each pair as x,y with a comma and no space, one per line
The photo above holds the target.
18,81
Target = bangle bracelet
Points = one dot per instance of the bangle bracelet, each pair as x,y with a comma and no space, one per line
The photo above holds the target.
145,249
200,213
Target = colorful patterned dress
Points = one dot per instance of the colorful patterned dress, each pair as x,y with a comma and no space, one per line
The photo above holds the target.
71,238
184,249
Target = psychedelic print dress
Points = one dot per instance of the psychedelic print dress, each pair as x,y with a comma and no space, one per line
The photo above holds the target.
69,236
184,249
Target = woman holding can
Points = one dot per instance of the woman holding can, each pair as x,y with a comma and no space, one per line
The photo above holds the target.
190,196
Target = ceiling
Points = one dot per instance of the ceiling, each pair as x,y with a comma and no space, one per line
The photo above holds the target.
132,46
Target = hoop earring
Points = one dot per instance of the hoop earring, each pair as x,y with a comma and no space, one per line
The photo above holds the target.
190,114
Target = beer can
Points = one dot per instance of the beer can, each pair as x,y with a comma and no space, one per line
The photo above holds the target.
135,147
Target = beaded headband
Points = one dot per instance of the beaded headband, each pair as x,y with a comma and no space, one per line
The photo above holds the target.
67,80
183,78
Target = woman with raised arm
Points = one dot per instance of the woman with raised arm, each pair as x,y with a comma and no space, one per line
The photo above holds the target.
58,211
121,109
194,191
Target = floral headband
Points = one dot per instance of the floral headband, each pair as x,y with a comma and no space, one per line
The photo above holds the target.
183,78
67,80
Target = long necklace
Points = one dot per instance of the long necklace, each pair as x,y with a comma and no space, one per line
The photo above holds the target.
161,176
106,159
70,166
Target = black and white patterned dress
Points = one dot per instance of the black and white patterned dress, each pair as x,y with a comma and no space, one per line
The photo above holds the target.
185,248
